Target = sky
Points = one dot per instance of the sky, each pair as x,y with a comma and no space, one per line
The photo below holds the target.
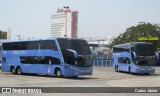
96,18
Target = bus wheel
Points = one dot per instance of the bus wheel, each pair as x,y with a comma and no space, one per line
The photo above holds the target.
129,70
117,69
59,73
74,77
19,71
13,70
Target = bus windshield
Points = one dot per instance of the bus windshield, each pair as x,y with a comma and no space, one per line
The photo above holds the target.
64,43
80,46
144,50
149,61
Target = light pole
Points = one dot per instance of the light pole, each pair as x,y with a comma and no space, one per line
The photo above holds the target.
66,7
19,37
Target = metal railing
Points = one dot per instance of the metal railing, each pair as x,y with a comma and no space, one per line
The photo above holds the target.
102,62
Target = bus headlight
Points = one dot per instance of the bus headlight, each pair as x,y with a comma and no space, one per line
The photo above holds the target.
137,67
152,67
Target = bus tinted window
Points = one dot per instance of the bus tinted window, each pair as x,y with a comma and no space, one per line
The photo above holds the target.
64,43
32,45
39,60
116,50
124,60
15,46
48,44
144,49
81,46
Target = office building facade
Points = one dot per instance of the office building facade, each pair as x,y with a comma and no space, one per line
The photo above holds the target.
64,24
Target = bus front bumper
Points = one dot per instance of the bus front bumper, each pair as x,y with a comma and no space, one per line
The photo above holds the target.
82,71
145,70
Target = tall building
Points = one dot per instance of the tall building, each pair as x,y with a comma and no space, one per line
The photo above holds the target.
3,35
64,23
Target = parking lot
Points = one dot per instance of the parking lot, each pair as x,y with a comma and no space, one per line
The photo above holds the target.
102,77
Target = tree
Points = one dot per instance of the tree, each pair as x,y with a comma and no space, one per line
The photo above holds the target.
143,29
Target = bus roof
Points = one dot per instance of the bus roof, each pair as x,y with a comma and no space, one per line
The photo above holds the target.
41,39
72,38
131,43
29,40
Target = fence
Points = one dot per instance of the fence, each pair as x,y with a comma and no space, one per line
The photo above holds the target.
102,62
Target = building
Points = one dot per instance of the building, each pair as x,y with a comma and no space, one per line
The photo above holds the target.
99,43
101,46
64,23
4,36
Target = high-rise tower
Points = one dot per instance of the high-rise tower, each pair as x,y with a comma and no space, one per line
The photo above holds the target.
64,23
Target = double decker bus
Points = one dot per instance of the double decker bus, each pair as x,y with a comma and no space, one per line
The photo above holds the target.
135,57
60,57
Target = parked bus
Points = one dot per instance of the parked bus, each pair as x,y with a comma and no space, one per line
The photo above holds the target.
47,56
135,57
158,60
0,55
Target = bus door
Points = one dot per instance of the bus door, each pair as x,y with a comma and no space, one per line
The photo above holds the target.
5,65
69,66
69,60
46,68
69,70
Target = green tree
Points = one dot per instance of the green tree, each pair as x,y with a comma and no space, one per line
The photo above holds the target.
141,30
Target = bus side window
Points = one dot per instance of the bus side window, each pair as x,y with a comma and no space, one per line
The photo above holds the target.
112,59
3,59
127,60
48,44
124,60
120,60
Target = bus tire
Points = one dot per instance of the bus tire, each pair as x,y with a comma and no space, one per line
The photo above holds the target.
58,73
74,77
19,71
117,69
13,70
129,70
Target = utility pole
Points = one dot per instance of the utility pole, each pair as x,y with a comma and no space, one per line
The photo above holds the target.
19,37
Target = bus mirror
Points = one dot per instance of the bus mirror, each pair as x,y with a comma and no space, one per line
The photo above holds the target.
76,62
157,55
134,55
74,52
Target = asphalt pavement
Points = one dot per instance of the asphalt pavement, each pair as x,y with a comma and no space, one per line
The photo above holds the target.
102,77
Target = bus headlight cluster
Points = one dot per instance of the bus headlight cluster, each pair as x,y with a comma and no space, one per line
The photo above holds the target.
137,67
152,67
